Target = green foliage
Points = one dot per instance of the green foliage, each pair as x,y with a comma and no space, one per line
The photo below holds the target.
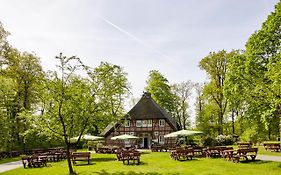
224,140
245,86
212,94
252,83
182,93
110,84
160,90
173,98
21,75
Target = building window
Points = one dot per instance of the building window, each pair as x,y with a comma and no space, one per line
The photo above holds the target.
139,123
161,139
162,122
149,123
144,123
132,133
156,133
127,123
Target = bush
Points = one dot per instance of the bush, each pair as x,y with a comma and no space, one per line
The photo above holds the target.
220,140
224,140
251,134
208,141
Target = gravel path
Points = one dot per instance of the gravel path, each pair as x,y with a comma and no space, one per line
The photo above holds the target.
269,158
9,166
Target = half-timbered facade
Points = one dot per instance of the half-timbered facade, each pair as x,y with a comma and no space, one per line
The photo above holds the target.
147,120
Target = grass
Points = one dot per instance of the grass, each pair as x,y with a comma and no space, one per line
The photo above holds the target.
264,152
7,160
156,164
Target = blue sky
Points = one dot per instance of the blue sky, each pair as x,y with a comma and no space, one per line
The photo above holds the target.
171,36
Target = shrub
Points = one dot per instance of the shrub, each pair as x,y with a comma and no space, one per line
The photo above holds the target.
208,141
224,140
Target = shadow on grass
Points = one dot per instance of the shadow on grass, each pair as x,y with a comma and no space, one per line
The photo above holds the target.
84,164
103,159
134,164
255,161
104,172
145,152
184,160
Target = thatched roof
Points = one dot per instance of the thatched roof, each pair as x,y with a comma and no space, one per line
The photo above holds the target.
146,108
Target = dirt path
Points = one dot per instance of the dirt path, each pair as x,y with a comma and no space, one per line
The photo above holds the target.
269,158
9,166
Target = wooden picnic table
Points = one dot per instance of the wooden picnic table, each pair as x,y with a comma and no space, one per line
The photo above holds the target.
182,154
228,154
212,151
129,155
81,156
245,153
198,150
245,144
34,161
272,146
159,148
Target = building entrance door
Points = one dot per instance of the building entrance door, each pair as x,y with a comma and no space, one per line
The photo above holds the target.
145,143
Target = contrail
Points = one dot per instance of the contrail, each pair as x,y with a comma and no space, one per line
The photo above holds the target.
134,37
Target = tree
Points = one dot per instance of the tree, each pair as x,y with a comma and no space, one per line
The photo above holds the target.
182,93
111,84
205,112
71,104
215,65
3,37
25,71
262,66
160,90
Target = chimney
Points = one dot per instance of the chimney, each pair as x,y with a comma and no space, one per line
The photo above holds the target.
146,95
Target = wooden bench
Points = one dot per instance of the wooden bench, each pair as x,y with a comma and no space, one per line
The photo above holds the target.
212,151
34,161
227,153
272,146
245,153
198,151
127,156
81,156
182,154
159,148
245,144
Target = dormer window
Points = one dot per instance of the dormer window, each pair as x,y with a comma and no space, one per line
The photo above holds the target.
138,123
162,122
149,123
127,123
144,123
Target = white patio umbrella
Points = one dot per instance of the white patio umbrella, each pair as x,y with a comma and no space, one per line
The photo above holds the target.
87,137
124,137
182,133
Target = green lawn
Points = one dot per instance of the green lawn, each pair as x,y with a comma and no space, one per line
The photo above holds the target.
6,160
156,164
264,152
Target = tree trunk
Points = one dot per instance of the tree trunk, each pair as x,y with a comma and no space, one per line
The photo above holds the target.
280,128
269,132
280,124
70,168
233,122
220,121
